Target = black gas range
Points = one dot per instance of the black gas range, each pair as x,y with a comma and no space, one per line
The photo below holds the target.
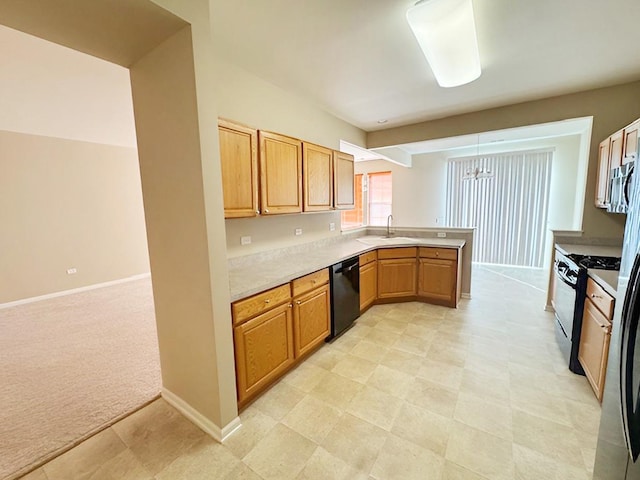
568,299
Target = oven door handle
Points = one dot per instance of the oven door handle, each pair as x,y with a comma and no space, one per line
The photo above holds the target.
627,183
561,270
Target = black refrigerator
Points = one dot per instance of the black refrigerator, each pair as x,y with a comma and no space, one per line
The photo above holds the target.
619,436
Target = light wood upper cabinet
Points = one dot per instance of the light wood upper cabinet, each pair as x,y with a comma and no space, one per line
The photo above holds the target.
311,319
602,182
343,181
263,350
630,144
317,168
615,149
239,163
280,174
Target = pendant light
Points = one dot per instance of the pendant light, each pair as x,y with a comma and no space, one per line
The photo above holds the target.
446,32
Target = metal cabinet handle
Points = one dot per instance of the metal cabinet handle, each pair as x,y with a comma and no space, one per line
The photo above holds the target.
593,295
267,301
266,210
257,212
298,302
290,306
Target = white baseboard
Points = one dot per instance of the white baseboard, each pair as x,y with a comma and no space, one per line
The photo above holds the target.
465,295
202,422
95,286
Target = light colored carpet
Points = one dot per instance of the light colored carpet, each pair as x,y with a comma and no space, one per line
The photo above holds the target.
69,366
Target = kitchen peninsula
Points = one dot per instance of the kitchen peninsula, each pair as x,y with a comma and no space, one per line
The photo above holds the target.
283,306
258,272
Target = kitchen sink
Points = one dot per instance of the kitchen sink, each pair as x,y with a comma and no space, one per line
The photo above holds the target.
382,240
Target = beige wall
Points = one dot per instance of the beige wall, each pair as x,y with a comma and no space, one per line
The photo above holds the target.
172,85
67,204
247,99
612,108
419,192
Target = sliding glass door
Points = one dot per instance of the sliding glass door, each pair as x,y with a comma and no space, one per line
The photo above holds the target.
506,197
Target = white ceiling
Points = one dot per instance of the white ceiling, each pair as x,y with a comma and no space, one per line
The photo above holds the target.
359,60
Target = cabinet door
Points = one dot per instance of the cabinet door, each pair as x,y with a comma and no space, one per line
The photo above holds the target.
280,174
437,280
317,168
263,349
239,163
594,346
630,144
397,277
343,181
311,319
615,149
368,284
602,183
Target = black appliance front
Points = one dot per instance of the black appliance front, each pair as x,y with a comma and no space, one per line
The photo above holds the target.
345,295
570,288
619,436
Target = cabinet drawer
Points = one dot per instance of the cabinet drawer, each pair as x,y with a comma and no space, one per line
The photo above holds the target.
600,298
368,257
404,252
309,282
443,253
252,306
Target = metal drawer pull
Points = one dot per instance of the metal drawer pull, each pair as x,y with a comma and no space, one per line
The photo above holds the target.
298,302
267,301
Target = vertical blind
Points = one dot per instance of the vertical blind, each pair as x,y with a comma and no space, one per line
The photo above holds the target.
506,197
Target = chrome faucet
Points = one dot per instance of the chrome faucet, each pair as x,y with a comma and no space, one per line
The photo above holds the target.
389,218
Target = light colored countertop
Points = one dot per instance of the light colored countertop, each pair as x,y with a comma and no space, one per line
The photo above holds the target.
273,271
600,250
607,279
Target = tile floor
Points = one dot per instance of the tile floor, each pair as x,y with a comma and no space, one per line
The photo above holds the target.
412,391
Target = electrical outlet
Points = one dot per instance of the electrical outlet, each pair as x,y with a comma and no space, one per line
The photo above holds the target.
245,240
332,227
298,231
442,235
71,271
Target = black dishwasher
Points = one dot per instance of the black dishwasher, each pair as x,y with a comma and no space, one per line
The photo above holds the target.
345,295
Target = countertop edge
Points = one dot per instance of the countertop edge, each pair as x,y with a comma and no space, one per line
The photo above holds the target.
605,278
457,244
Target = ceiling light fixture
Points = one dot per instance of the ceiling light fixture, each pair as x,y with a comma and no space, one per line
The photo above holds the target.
384,120
446,32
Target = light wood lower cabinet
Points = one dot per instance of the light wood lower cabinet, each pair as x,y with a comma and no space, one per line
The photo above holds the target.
595,337
397,278
368,284
594,346
272,331
311,320
263,350
438,276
